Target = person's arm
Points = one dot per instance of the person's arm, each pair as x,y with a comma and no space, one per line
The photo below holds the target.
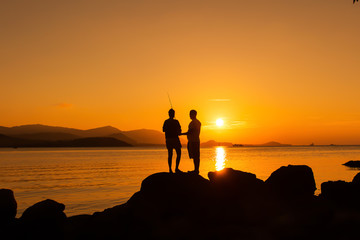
188,132
164,127
178,128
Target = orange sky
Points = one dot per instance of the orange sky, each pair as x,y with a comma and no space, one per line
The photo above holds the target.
286,71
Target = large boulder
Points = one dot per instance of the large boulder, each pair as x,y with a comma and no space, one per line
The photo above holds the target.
342,193
336,190
232,182
166,199
177,187
292,182
8,206
44,220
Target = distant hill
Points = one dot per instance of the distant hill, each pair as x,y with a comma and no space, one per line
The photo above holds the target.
7,141
38,132
91,142
123,137
274,144
268,144
43,129
48,136
213,143
146,136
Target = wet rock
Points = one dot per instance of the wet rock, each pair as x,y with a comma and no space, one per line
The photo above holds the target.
44,220
8,206
293,181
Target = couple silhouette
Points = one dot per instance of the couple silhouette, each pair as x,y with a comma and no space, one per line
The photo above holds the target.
172,131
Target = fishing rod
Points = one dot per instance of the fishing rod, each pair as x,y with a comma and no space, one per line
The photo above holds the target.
170,100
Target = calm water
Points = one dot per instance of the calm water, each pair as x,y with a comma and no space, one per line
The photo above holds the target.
89,180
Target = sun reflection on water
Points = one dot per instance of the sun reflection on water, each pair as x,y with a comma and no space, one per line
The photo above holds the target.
220,158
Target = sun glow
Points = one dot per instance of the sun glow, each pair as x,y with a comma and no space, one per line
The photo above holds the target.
219,122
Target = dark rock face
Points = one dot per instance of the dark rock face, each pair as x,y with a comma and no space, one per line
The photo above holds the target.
44,220
353,164
8,206
341,193
336,190
292,181
163,191
232,182
356,179
231,205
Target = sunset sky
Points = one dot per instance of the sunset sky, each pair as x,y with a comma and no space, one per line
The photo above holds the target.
278,70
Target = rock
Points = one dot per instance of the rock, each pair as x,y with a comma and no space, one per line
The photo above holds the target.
353,164
356,179
8,206
165,188
79,227
342,193
233,182
166,199
338,192
44,220
293,181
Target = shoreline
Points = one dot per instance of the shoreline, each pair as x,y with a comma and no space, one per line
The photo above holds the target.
229,201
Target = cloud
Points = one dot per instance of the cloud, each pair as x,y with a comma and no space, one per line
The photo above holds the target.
238,123
227,125
63,105
220,100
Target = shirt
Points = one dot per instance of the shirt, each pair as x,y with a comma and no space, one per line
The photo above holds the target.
194,131
171,128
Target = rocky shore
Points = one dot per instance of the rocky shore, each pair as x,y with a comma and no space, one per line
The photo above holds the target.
230,204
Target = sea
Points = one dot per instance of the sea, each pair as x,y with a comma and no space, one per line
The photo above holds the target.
88,180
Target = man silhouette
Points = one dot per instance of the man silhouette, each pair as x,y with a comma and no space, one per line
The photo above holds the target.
193,136
172,131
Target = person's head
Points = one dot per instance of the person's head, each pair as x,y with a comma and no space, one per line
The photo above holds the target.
171,113
193,114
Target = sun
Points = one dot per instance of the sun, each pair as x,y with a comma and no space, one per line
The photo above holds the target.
219,122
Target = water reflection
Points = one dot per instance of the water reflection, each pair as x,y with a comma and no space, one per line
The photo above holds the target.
220,158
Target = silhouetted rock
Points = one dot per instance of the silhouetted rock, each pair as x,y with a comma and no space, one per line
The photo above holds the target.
353,164
356,179
231,205
293,181
44,220
338,192
344,194
233,182
80,227
166,190
213,143
8,206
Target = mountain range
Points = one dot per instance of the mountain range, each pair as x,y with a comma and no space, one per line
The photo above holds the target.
38,135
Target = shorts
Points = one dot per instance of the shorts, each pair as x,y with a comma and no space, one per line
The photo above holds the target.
172,143
194,150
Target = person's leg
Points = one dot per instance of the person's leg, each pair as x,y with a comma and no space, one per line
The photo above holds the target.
178,157
197,157
170,154
196,164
